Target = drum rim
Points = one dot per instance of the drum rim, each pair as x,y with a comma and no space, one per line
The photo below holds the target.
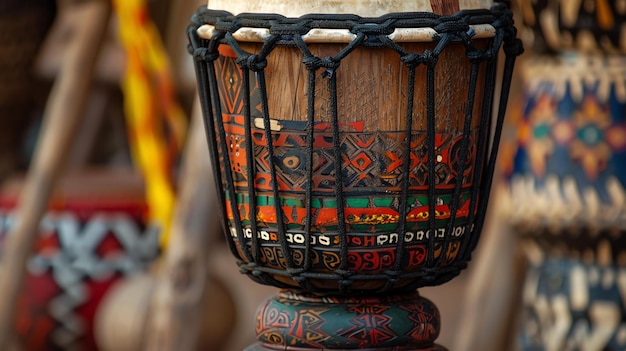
343,36
400,27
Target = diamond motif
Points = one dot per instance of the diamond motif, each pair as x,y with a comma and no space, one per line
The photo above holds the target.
361,162
232,101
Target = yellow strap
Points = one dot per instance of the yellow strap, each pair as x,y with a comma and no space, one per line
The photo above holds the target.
156,123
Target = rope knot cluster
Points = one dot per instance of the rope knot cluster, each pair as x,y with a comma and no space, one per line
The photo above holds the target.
203,54
255,63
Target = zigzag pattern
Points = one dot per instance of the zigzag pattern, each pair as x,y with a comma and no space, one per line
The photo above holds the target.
75,255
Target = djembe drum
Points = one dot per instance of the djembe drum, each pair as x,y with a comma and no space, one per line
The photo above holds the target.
355,158
564,193
94,234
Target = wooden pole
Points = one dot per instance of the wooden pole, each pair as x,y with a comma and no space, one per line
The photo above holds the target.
61,118
490,297
445,7
178,301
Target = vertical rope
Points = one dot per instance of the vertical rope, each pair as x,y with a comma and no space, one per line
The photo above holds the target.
257,64
406,171
507,76
309,61
251,171
201,63
344,283
411,61
341,221
480,164
223,145
280,223
460,171
430,140
431,62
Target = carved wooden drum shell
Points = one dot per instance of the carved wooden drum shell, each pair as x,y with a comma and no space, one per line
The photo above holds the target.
372,160
349,162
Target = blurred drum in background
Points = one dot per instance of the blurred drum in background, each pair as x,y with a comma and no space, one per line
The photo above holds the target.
94,234
568,169
564,159
580,25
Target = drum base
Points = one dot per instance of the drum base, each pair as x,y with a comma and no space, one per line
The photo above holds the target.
299,322
260,347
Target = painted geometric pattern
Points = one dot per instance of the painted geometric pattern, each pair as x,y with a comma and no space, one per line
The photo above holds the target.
572,305
565,151
370,259
361,213
80,254
306,326
585,139
371,163
230,83
372,160
367,316
360,323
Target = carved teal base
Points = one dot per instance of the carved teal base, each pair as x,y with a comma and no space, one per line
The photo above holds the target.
294,322
260,347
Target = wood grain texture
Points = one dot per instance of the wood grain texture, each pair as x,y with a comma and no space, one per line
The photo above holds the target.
445,7
372,87
475,4
61,118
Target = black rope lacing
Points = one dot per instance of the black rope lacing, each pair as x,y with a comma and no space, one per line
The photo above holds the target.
368,32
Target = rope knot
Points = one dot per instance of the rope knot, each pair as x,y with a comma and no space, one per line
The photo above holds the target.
311,62
411,60
331,66
514,48
466,36
203,54
252,62
428,58
256,63
476,56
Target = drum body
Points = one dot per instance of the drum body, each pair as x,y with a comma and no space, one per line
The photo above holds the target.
353,162
352,152
93,235
565,197
373,148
